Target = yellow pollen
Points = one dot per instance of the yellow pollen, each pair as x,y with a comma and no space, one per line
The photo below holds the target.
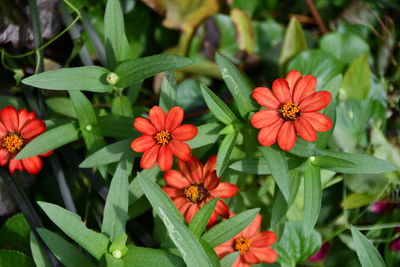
242,244
196,193
163,138
290,111
13,142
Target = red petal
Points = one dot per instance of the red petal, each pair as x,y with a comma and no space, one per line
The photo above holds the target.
32,165
319,121
174,118
305,130
143,143
4,157
185,132
249,257
144,126
315,102
181,150
265,98
267,136
157,118
172,192
149,158
191,212
267,255
165,158
213,219
292,77
304,87
223,251
264,118
211,180
180,202
15,165
192,169
47,153
25,116
9,118
286,136
210,166
240,263
33,128
3,130
253,228
222,209
263,239
224,190
175,179
280,88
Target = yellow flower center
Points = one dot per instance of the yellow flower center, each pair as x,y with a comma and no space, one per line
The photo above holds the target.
13,142
242,244
290,111
196,193
163,138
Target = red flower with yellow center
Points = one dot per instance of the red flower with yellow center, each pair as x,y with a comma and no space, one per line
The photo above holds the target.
253,246
194,185
164,137
292,107
18,128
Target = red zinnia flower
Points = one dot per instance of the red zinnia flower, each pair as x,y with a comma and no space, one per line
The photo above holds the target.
194,185
292,109
18,128
253,246
163,136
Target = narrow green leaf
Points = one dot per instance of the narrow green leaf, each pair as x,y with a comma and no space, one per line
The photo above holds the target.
113,262
208,134
117,126
121,106
71,224
227,229
276,160
260,166
39,257
212,255
66,253
134,70
50,140
312,197
357,79
83,109
71,79
139,257
168,97
116,208
13,258
367,254
238,85
327,161
61,105
224,152
135,190
218,107
192,252
229,259
201,218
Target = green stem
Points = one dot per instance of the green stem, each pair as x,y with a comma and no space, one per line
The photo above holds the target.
37,33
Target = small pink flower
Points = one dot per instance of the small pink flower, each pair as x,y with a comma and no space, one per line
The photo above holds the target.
321,254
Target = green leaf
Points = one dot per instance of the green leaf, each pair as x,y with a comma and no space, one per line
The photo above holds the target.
135,190
208,134
116,126
113,262
71,79
192,252
366,252
224,152
168,95
357,200
357,79
201,218
109,154
229,259
312,197
139,257
38,254
238,85
116,208
121,106
363,163
61,105
276,160
294,247
66,253
14,234
212,255
134,70
13,258
260,166
294,42
11,101
327,161
71,224
344,46
49,140
117,46
227,229
245,30
218,107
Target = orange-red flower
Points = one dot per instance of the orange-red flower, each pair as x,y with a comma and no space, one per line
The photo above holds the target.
163,138
253,246
194,185
292,107
18,128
